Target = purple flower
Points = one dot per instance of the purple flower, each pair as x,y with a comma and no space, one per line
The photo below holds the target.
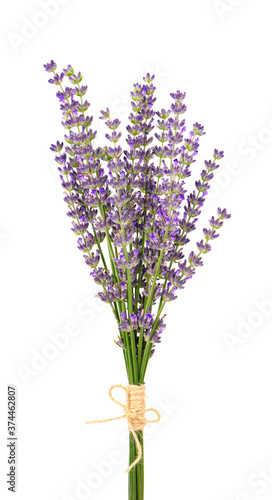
50,67
145,320
222,214
198,130
168,293
130,324
92,259
203,247
57,148
57,79
195,260
88,243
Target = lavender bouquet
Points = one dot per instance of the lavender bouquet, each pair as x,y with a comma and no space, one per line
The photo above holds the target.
130,206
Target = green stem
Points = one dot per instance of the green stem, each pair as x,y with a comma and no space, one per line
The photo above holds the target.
130,303
132,478
150,298
140,348
140,469
137,290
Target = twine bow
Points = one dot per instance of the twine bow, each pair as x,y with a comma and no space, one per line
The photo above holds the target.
134,412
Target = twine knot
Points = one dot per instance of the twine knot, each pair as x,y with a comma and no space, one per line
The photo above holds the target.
134,412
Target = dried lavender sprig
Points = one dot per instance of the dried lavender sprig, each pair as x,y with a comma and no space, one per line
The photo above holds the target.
114,137
77,218
126,352
194,262
202,187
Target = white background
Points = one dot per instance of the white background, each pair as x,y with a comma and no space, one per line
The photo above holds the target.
211,375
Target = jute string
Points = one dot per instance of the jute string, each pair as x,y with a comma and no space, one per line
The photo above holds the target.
134,412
